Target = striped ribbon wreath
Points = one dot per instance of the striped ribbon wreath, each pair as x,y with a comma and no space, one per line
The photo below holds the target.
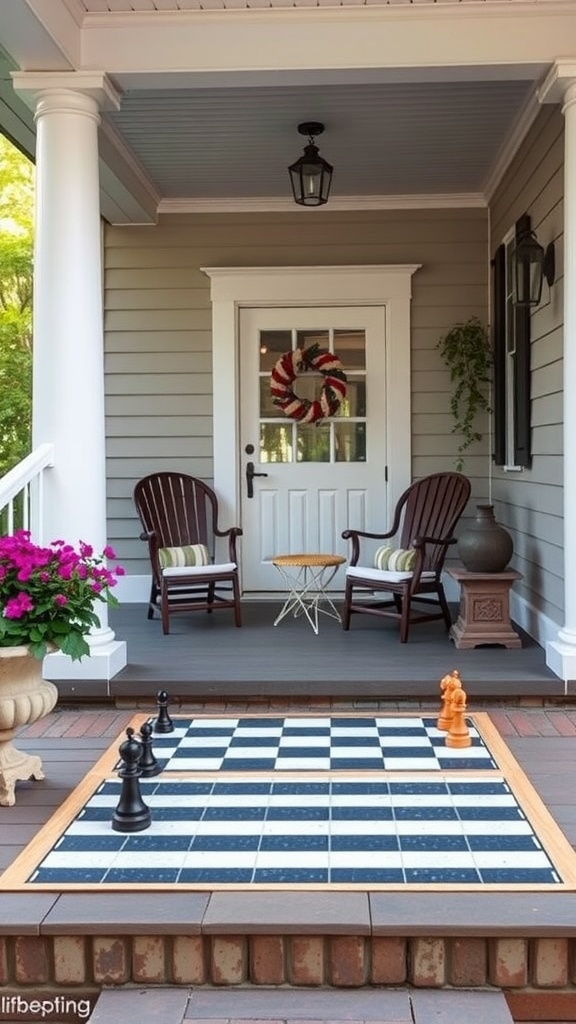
288,368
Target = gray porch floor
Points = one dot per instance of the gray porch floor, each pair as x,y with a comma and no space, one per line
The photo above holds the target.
207,657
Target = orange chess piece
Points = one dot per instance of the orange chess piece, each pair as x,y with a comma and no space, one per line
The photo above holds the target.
459,733
448,685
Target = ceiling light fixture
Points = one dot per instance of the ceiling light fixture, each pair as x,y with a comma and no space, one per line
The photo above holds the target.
311,175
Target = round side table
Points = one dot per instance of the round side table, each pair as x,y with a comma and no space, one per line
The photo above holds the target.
306,578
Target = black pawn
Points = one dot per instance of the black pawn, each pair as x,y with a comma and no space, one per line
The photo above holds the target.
148,764
163,722
131,814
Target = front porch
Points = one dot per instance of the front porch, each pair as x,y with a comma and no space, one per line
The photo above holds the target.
206,658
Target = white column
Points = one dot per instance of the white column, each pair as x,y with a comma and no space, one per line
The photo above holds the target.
561,653
68,370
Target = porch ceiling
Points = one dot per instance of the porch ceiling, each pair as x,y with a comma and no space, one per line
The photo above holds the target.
199,128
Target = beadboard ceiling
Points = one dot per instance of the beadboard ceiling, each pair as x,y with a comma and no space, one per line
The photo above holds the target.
194,134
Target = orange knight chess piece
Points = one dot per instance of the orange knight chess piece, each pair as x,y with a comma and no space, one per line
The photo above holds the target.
459,733
448,685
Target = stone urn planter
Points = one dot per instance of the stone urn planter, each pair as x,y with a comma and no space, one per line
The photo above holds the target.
24,698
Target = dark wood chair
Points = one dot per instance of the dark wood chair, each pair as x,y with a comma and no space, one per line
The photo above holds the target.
424,522
179,516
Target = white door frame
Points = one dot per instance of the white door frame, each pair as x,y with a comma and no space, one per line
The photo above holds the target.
234,287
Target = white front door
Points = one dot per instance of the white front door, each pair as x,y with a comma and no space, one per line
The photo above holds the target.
317,480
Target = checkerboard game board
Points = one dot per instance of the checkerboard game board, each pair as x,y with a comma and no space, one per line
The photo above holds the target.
351,832
269,802
315,743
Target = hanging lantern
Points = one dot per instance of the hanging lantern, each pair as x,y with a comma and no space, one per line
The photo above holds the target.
532,264
311,175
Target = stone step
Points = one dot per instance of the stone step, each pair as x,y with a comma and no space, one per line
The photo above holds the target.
290,1006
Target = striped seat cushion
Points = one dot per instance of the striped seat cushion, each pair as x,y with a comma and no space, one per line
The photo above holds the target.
191,554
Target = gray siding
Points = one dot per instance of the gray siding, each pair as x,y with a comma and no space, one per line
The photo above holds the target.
158,330
530,503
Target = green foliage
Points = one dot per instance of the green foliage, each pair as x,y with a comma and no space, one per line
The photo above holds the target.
466,351
16,267
48,594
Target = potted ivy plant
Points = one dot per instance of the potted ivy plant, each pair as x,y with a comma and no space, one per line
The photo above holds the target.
466,351
485,546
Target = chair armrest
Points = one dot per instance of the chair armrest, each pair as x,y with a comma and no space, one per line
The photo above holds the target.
152,540
444,543
420,544
232,533
355,535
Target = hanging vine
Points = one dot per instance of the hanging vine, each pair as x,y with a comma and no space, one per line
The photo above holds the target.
467,353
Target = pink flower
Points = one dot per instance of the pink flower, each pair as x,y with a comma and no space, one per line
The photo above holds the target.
17,606
50,592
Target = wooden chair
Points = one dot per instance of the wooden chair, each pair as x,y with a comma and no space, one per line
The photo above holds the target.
424,522
179,515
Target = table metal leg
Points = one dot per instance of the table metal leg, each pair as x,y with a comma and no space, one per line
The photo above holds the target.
306,593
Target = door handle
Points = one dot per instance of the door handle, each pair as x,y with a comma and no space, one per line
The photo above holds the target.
250,474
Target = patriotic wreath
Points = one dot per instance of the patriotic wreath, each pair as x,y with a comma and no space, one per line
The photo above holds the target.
287,369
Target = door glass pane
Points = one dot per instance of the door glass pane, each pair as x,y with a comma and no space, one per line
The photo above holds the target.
350,442
267,407
273,344
313,443
354,403
307,338
350,347
276,442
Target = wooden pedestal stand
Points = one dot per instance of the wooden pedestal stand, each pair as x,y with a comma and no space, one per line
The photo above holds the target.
484,615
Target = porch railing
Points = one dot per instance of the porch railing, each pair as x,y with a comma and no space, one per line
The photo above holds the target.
22,493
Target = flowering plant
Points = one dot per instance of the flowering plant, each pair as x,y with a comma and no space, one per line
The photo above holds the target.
47,594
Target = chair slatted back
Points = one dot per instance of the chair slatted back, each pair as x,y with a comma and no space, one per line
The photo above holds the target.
179,509
432,508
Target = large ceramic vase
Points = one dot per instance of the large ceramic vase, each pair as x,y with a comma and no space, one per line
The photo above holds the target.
485,546
24,698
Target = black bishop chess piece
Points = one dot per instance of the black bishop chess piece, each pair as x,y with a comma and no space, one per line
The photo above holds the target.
163,722
131,814
148,764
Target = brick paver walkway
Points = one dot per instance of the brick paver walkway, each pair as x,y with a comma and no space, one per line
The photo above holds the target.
73,723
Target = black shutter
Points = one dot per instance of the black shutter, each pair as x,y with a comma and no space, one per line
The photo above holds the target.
522,446
499,355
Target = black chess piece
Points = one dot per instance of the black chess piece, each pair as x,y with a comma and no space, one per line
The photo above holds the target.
131,814
163,722
148,764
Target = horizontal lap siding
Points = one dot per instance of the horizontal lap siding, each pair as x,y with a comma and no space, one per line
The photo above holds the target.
158,330
530,503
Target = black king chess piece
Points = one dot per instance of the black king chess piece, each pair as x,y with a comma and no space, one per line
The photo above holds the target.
163,722
148,764
131,814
